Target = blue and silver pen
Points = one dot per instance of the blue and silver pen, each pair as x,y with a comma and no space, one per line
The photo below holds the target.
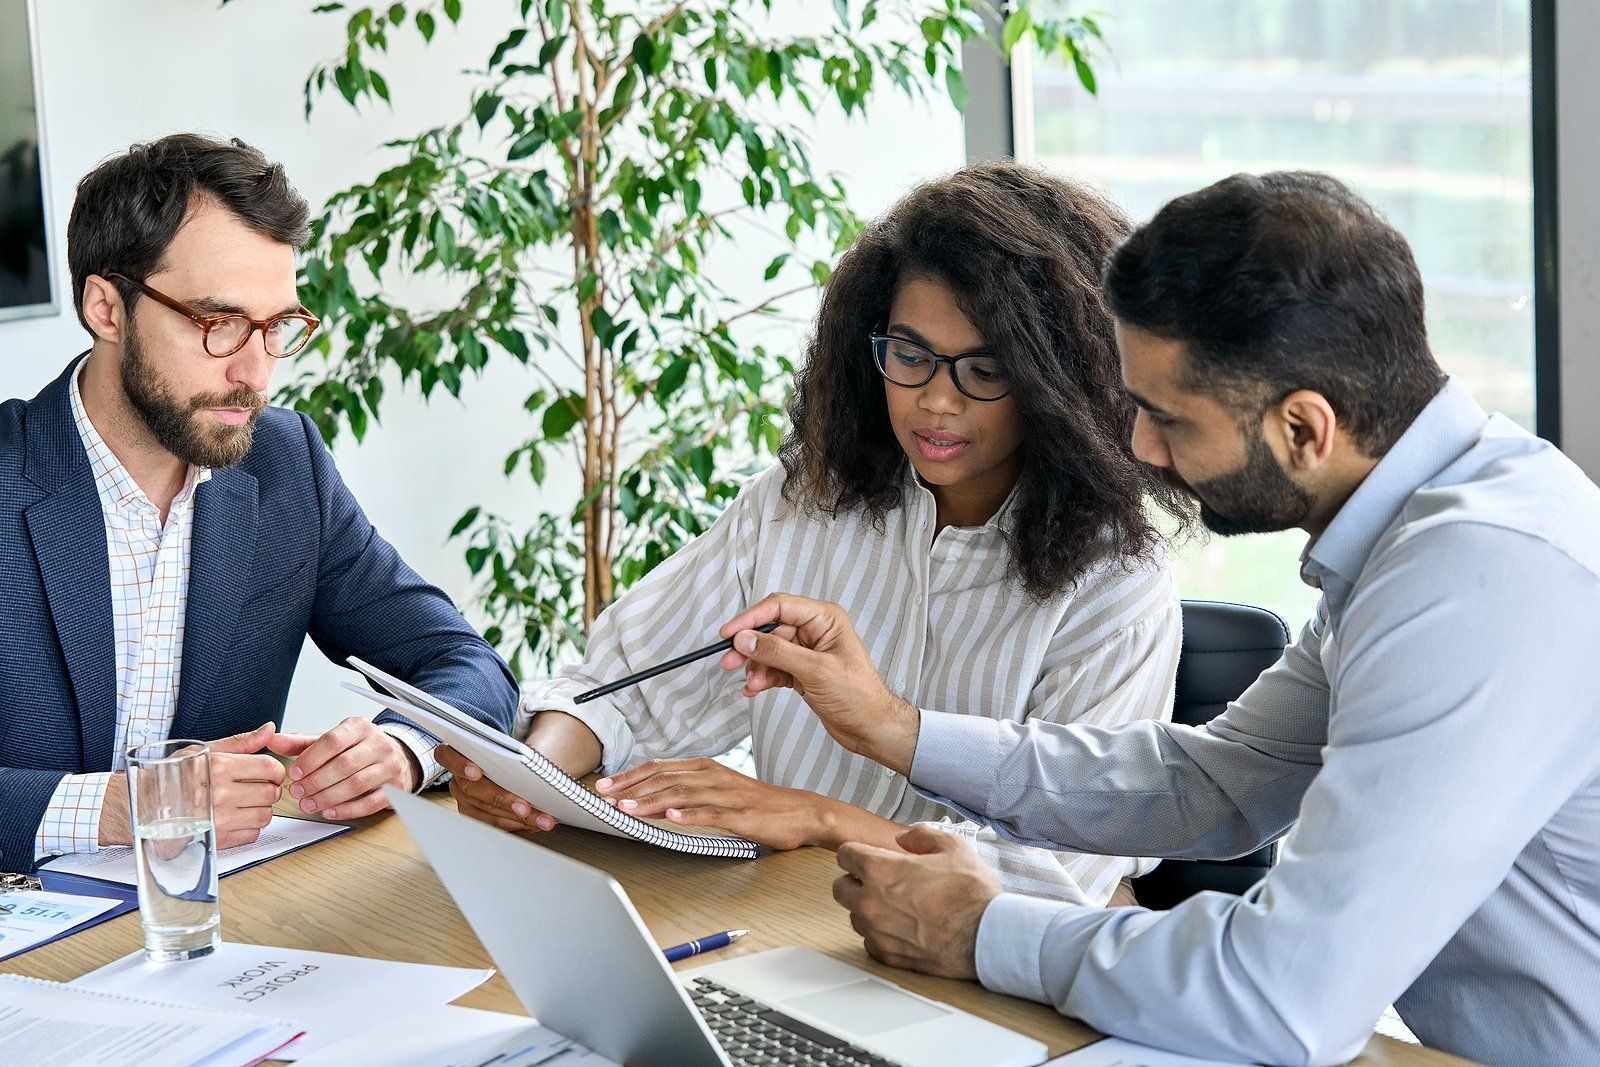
703,944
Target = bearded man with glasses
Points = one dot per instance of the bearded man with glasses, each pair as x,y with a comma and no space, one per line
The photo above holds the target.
161,524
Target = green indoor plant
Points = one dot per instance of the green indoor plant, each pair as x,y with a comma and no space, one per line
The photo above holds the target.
573,207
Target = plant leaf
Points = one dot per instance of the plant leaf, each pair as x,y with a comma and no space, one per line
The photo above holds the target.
1017,23
561,416
957,86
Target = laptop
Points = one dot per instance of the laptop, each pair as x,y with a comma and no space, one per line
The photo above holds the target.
581,961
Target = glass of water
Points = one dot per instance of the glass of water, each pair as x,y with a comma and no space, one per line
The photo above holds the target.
175,848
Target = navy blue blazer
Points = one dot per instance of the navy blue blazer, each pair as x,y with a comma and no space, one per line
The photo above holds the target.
280,550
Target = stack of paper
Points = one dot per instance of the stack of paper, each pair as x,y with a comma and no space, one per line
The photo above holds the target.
43,1022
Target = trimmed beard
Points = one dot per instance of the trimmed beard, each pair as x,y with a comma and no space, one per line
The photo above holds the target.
178,426
1259,497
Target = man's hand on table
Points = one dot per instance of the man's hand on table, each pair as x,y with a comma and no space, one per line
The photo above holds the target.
920,908
341,774
244,786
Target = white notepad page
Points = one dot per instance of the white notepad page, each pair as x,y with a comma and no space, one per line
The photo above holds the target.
519,769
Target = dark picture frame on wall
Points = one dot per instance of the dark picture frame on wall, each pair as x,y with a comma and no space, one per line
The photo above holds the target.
28,285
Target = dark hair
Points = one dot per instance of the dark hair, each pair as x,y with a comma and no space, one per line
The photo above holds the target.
128,209
1280,282
1022,251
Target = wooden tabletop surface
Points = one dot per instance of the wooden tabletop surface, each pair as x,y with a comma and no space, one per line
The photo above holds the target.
361,893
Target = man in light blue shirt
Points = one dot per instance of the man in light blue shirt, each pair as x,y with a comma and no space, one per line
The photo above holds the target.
1430,744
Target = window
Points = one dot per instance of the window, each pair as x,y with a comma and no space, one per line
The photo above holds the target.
1421,105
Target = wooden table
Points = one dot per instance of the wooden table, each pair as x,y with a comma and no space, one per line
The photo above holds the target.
361,893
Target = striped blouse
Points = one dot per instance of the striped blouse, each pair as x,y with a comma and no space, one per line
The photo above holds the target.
946,626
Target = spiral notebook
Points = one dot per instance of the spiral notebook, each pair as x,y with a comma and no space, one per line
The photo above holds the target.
73,1027
518,768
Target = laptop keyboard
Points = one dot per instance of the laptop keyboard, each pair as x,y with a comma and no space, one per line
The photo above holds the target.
751,1033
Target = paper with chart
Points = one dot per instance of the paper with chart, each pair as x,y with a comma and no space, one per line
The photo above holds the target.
527,773
29,919
281,835
1115,1052
456,1035
327,995
48,1023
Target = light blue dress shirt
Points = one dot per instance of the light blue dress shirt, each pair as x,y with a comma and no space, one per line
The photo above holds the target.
1431,746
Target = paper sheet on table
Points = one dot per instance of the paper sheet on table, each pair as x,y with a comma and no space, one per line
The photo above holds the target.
327,995
281,835
1115,1052
45,1022
29,919
454,1035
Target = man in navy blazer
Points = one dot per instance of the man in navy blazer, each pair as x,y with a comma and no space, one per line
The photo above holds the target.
167,541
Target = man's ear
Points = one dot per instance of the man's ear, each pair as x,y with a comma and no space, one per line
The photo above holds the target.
104,310
1303,427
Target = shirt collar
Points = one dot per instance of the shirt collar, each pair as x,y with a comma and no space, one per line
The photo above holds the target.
997,522
115,485
1437,437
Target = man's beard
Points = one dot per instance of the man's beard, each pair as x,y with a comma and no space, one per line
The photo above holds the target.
178,426
1257,498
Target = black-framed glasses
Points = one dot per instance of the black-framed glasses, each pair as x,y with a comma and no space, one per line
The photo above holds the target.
225,334
978,375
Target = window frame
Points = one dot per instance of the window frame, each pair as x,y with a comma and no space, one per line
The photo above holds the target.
1565,100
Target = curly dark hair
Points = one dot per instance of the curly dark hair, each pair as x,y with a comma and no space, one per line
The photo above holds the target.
1023,251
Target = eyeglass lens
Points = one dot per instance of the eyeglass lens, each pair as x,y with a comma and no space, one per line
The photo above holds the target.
284,336
904,363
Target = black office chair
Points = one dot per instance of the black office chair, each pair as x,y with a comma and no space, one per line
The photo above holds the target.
1225,646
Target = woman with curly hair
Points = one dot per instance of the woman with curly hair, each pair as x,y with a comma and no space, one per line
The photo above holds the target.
957,478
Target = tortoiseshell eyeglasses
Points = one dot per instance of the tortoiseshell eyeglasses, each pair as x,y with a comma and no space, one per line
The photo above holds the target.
225,334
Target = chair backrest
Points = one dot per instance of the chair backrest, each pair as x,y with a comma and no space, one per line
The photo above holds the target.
1225,647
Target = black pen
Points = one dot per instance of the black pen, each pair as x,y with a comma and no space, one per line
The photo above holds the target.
662,668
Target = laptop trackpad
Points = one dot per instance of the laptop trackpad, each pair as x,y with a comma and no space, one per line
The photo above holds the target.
866,1007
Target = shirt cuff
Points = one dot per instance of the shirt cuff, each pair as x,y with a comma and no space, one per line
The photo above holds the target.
600,716
421,745
71,822
958,757
1010,954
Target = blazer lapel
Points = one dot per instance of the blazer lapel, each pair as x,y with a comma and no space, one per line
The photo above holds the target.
67,528
222,554
69,542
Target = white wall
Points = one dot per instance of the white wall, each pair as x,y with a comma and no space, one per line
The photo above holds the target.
116,72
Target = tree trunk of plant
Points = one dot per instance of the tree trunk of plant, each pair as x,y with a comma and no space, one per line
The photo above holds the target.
599,431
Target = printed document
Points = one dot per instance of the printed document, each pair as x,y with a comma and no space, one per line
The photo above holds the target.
45,1024
455,1035
327,995
29,919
